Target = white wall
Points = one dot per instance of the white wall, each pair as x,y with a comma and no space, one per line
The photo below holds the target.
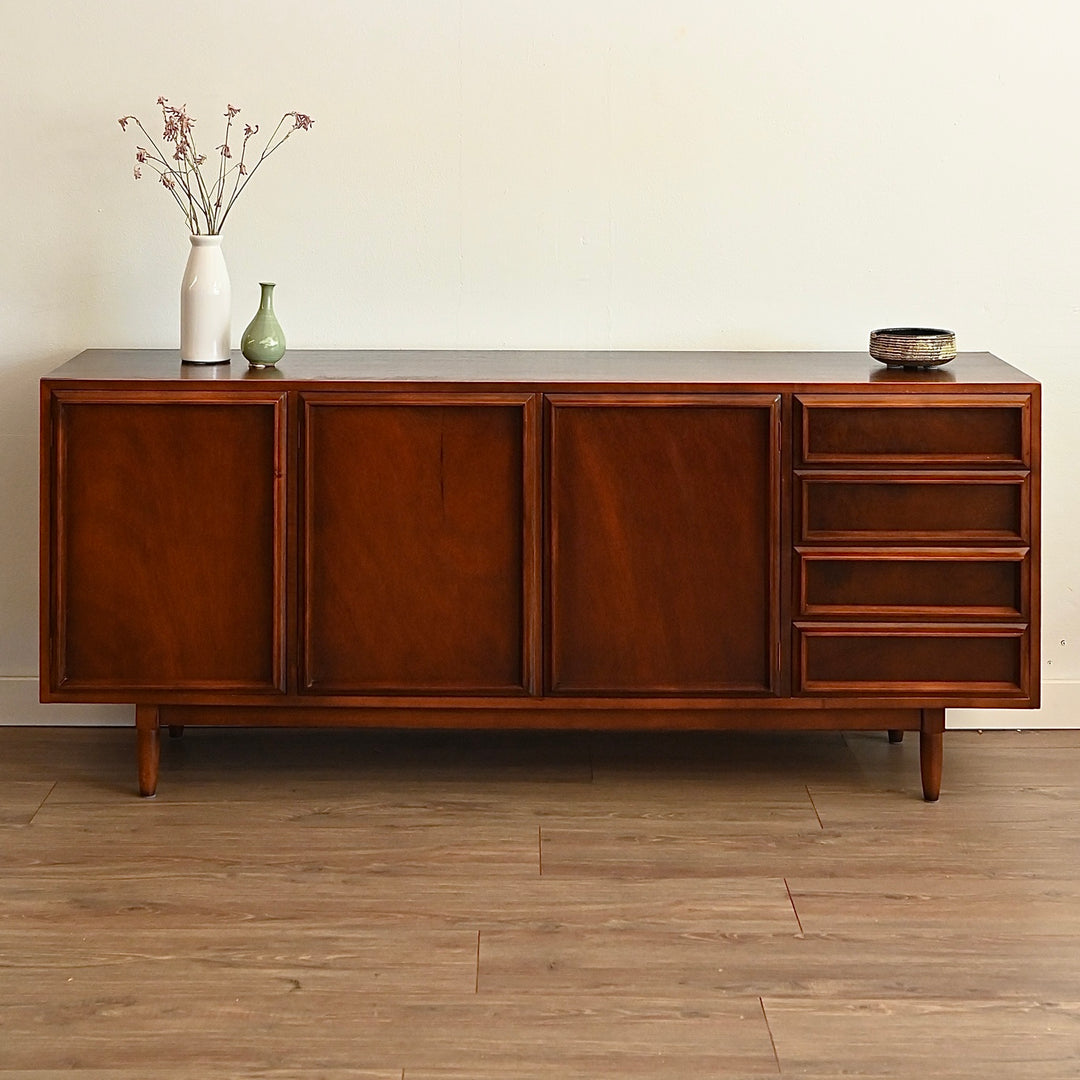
579,173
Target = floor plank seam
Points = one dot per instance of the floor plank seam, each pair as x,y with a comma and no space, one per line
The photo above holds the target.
476,988
540,848
42,803
794,909
813,806
768,1028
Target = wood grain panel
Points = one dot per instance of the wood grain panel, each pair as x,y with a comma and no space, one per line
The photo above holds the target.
1013,909
912,660
846,429
237,1027
663,545
655,853
905,964
419,544
167,566
913,507
200,1071
943,1038
967,583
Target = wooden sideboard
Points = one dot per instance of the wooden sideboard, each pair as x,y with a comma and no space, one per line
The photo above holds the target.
540,539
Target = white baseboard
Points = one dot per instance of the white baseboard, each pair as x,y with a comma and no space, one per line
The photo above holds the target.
19,705
1060,709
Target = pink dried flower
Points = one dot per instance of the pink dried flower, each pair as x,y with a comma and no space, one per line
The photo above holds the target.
205,201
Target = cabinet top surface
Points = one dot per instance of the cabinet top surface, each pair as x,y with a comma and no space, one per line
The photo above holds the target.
550,369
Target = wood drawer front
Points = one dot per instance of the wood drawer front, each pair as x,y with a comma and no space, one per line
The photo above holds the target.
913,507
840,430
917,660
975,583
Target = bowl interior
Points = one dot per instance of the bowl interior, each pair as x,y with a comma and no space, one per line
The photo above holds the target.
912,331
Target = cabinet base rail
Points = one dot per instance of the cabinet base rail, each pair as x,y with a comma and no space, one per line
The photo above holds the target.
929,723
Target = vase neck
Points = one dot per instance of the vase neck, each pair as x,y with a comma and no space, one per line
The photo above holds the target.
266,300
204,240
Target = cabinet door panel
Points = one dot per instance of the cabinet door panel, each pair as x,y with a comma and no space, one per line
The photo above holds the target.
167,560
419,563
664,545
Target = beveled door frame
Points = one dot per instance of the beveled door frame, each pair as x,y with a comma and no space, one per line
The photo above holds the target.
52,561
779,567
531,535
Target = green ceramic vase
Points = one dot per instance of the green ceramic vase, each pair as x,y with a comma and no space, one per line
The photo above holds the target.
263,343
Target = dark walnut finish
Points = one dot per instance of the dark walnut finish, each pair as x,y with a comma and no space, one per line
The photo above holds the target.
561,540
647,560
168,569
418,559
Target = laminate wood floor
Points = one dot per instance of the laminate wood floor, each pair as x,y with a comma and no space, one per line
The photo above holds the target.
350,905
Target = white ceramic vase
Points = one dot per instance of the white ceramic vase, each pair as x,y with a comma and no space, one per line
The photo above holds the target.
205,304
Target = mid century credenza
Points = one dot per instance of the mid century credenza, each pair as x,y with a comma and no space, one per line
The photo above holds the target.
666,540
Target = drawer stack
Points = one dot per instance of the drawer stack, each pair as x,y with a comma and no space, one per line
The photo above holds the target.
913,539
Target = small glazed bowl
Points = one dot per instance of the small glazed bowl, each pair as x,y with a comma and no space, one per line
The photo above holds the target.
913,346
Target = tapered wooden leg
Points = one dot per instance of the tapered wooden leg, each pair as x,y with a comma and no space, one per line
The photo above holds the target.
896,735
931,738
148,747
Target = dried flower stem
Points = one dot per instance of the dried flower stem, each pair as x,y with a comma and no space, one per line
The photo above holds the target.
205,208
